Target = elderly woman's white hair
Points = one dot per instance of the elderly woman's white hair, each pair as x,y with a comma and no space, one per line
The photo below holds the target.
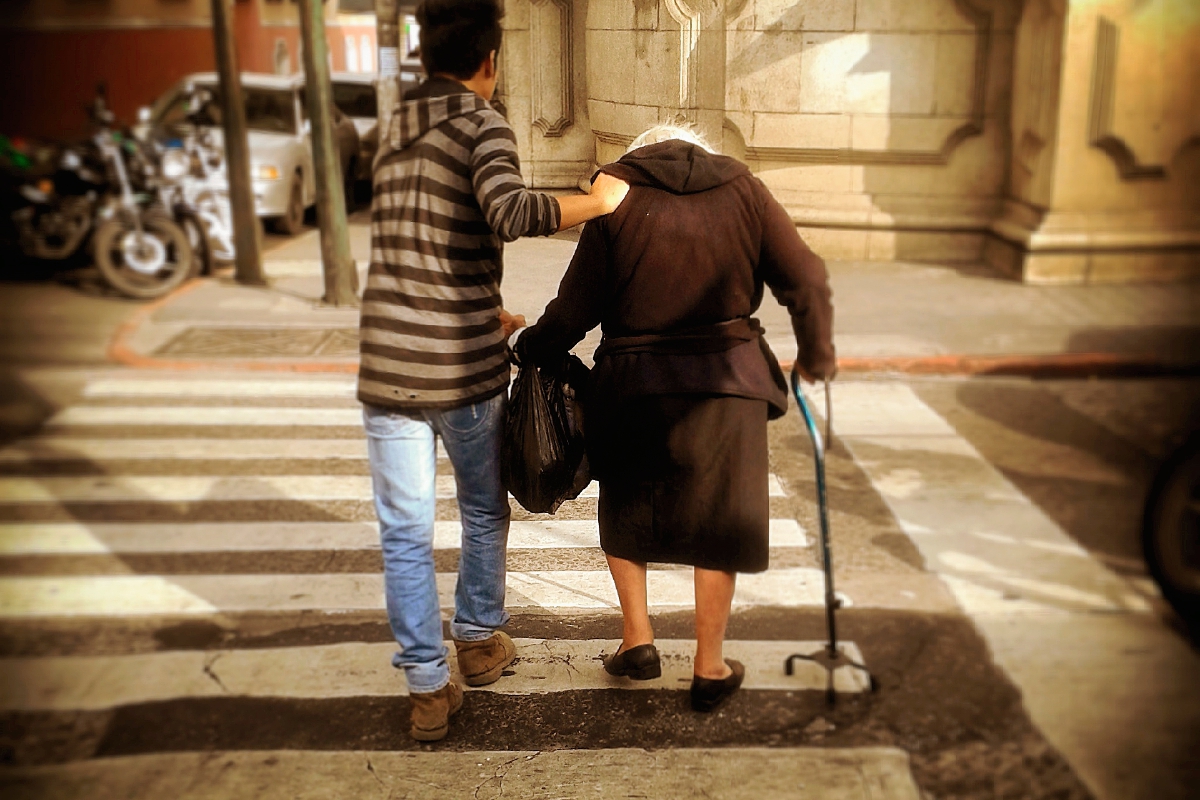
666,132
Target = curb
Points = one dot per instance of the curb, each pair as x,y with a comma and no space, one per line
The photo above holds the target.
1053,365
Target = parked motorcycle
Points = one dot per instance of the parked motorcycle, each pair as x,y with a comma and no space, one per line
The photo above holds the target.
105,191
189,161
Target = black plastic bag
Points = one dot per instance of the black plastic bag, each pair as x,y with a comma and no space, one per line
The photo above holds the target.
543,458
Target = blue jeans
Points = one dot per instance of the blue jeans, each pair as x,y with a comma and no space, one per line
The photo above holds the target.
403,458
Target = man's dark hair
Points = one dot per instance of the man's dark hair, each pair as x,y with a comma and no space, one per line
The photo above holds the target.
458,35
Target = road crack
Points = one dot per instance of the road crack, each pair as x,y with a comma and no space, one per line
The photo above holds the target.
212,674
375,775
498,776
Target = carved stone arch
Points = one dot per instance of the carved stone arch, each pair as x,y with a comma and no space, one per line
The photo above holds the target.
1100,107
690,25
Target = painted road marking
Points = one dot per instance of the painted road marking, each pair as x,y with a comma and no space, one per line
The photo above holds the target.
168,387
110,596
62,448
23,539
365,670
66,448
205,415
218,488
968,519
554,591
778,773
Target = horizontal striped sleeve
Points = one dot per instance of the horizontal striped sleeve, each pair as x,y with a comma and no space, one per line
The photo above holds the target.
509,207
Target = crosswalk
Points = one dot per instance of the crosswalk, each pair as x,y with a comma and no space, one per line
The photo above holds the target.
158,504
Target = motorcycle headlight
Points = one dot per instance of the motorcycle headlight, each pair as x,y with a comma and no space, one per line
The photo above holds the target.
266,172
175,164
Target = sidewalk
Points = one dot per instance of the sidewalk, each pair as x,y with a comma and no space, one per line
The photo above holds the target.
890,317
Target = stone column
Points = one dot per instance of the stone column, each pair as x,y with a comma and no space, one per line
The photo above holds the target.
1105,171
542,79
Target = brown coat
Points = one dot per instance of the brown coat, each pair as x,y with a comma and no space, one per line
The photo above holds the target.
688,252
676,408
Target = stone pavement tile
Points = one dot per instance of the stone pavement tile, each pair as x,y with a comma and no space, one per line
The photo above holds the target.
681,774
882,309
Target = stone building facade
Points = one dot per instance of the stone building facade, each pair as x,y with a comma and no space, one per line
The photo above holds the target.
1053,139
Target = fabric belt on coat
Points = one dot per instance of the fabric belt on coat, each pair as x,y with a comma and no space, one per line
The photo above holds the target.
686,341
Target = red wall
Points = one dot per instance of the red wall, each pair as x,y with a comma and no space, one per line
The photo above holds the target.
50,76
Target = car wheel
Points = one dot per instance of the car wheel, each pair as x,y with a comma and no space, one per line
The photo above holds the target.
1171,533
292,221
350,184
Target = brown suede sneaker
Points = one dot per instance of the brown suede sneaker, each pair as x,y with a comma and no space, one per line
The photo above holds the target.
482,662
431,712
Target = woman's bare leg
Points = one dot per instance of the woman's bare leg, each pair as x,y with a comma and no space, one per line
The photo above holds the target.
630,578
714,595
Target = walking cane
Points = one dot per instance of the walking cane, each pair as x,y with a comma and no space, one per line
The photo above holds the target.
831,657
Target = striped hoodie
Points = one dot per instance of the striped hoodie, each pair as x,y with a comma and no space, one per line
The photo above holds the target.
448,194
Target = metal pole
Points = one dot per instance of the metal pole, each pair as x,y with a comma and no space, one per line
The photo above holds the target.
387,85
341,277
248,258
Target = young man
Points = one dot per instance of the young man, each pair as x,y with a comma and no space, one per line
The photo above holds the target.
448,193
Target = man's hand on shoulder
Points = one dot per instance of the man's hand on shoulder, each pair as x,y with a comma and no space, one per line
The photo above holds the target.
606,194
609,191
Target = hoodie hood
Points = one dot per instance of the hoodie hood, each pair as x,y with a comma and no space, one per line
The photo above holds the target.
677,167
428,106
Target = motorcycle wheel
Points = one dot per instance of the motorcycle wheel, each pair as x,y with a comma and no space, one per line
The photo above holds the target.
198,240
165,264
1171,531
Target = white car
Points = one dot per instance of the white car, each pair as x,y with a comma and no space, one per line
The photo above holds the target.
354,94
281,163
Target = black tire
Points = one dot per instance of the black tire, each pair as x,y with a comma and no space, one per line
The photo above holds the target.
1171,530
292,221
108,245
350,183
198,239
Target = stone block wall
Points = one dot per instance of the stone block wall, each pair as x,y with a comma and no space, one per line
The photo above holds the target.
543,89
1055,139
881,124
1105,172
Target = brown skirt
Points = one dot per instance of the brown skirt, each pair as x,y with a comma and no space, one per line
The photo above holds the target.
687,483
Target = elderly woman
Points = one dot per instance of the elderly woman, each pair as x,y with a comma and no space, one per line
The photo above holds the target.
677,405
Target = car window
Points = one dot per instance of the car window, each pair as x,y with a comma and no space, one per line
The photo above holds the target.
355,99
174,111
268,110
304,105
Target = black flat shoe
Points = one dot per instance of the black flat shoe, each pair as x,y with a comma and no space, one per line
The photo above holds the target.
707,693
639,663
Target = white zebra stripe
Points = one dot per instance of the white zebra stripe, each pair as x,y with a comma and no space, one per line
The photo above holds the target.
144,416
62,448
169,387
778,773
555,591
65,448
220,537
213,488
364,670
198,488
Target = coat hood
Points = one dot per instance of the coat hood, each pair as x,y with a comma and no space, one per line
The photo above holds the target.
429,105
677,167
